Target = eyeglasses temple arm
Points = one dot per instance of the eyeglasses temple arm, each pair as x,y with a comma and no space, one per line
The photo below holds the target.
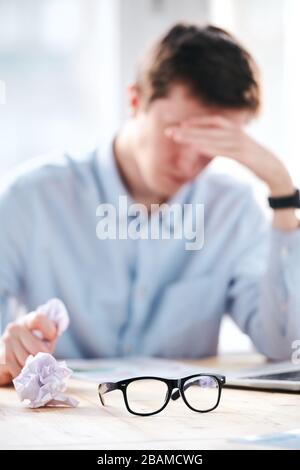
105,388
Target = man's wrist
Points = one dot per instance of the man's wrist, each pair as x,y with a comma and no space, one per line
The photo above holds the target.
279,180
284,218
282,190
282,187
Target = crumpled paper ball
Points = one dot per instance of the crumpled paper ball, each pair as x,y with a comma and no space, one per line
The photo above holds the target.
56,311
42,381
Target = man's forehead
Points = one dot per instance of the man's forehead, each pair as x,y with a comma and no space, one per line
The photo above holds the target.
174,115
181,105
176,110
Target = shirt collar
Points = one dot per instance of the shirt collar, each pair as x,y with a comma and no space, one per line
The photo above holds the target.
114,186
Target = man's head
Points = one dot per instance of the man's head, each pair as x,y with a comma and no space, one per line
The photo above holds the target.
190,72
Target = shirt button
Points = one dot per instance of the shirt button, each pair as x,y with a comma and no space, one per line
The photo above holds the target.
284,252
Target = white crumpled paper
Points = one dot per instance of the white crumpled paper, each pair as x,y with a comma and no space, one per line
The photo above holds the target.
43,379
56,311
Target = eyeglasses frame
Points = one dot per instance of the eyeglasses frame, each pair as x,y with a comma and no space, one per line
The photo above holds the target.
177,384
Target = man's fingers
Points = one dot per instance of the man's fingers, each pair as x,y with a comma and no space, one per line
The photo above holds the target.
18,342
14,368
5,375
209,121
208,142
39,322
213,124
181,134
51,346
12,364
20,353
31,343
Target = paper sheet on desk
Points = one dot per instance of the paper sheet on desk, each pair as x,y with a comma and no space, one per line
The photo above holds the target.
97,370
105,370
285,440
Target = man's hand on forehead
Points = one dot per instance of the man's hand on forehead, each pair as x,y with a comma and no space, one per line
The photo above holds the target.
217,135
210,135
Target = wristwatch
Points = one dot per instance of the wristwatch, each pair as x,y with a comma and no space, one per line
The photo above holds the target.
285,202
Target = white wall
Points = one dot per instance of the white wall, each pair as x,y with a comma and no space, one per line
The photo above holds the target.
141,23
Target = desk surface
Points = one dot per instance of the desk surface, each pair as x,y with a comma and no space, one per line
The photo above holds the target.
91,426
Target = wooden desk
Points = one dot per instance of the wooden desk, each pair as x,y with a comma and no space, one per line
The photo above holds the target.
91,426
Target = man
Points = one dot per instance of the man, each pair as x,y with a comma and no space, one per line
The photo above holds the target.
195,91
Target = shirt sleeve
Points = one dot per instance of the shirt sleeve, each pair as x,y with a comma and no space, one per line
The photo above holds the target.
264,290
14,247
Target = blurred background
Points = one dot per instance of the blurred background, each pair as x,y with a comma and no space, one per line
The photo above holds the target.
65,64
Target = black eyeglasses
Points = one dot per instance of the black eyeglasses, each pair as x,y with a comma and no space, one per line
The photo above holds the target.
145,396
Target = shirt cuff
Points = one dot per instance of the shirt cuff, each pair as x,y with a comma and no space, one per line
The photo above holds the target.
286,240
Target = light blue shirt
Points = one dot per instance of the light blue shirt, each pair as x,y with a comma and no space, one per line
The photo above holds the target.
149,297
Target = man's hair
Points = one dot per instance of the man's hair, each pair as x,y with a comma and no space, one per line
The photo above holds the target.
208,60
